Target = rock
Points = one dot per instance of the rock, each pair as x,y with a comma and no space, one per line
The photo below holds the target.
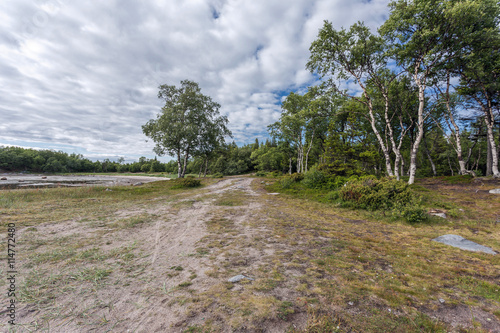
272,193
351,303
138,184
262,182
44,177
108,189
464,244
438,213
3,178
238,278
441,301
495,191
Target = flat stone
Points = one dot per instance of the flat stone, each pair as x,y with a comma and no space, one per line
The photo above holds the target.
464,244
138,184
238,278
272,193
442,215
495,191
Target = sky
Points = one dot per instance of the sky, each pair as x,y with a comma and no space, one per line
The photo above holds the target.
82,77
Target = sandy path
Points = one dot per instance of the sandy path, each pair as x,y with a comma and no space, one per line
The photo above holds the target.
144,295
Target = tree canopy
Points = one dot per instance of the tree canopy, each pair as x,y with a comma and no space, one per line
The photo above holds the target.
189,124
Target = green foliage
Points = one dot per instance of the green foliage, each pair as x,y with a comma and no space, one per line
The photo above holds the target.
189,123
286,182
260,174
412,214
314,178
383,194
186,182
268,158
217,175
297,177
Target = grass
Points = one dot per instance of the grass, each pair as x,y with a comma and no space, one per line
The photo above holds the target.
313,263
331,257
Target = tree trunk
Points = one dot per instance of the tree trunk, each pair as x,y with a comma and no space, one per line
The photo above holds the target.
433,166
290,166
384,148
427,153
420,129
494,154
455,130
490,121
489,160
206,167
449,163
309,148
179,164
186,156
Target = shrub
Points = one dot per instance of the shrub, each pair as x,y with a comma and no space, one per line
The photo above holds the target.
372,194
314,178
414,214
297,177
275,174
260,174
335,182
286,182
186,182
217,175
333,196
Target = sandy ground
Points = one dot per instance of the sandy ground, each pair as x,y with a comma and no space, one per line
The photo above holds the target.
143,300
30,181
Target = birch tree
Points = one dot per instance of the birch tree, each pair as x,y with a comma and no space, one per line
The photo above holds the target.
188,124
424,35
351,56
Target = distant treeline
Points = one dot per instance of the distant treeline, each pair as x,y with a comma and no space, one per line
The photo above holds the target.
228,160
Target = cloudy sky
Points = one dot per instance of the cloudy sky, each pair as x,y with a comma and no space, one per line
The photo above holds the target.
83,77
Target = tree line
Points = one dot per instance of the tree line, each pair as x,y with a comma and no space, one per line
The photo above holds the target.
419,97
391,102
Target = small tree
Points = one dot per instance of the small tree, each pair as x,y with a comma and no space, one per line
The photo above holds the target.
188,121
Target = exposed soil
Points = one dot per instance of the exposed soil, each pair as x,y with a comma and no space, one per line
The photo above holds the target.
166,272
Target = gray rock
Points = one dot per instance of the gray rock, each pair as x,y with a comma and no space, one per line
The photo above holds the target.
108,189
138,184
495,191
238,278
441,301
442,215
273,194
3,178
464,244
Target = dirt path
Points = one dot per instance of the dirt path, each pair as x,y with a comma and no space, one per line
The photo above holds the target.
129,260
144,296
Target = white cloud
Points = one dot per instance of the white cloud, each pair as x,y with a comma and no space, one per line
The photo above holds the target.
86,74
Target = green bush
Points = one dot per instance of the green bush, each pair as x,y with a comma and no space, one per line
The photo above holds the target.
260,174
297,177
377,194
333,196
275,174
413,214
217,175
286,182
186,182
314,178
